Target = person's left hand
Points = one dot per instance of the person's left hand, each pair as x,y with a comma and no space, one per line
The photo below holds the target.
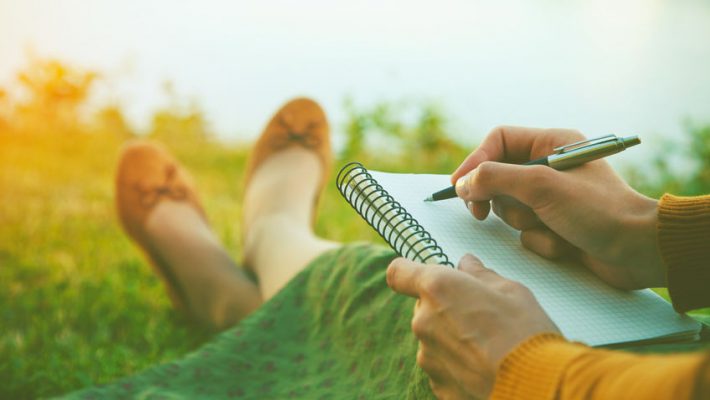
466,321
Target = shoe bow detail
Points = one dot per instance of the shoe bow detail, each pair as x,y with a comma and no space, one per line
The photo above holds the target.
306,138
150,195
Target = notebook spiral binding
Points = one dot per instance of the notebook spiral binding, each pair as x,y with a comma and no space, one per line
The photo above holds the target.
386,216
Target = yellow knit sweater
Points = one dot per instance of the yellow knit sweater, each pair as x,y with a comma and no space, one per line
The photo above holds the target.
549,367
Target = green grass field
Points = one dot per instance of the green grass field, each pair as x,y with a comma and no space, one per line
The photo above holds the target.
78,303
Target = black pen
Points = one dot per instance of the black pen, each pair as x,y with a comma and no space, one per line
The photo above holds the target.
567,156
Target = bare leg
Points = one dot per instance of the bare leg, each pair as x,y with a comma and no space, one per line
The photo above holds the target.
219,293
278,210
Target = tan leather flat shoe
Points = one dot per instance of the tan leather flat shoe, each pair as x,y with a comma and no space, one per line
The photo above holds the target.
300,122
147,174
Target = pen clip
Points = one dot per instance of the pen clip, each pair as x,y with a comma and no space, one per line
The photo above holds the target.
584,143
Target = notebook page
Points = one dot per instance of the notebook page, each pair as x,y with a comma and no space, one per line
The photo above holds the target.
583,307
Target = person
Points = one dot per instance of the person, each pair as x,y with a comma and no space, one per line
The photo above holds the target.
481,334
319,321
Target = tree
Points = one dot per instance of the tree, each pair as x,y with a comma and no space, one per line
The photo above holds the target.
53,95
386,131
177,122
4,111
111,120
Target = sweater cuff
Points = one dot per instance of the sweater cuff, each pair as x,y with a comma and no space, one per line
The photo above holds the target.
535,368
684,241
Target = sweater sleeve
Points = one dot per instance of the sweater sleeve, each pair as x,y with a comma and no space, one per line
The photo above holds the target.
684,241
548,367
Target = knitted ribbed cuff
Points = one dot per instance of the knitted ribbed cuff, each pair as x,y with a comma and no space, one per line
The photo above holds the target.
535,368
684,241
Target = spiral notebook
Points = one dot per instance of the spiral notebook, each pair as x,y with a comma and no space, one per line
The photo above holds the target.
584,308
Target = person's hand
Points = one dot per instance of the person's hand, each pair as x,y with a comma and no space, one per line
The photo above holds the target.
587,212
466,321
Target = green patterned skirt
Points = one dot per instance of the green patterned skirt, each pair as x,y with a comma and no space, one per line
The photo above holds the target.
336,331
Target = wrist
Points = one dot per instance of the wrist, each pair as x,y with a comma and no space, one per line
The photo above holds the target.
641,247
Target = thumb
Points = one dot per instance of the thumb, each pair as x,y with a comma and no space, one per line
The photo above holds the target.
404,276
529,184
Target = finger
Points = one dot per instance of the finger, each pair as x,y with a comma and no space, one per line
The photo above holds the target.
448,389
512,144
548,244
431,364
532,185
422,325
403,276
473,266
437,389
495,147
515,214
479,209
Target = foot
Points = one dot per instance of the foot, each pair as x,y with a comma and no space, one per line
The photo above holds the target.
286,175
159,209
281,194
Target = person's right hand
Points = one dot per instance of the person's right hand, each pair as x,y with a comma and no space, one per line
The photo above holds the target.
587,212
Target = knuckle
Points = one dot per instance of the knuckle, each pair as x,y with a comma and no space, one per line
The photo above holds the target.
508,286
484,174
472,260
485,273
500,130
391,274
539,173
539,180
513,217
422,359
436,388
420,326
434,283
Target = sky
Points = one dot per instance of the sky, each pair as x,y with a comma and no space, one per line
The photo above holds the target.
607,66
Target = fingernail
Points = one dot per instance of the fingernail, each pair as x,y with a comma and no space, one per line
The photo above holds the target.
468,257
469,205
462,186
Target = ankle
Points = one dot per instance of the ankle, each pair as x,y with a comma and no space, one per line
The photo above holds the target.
170,218
286,183
224,309
265,231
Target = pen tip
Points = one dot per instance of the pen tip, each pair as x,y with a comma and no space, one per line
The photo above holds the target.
428,199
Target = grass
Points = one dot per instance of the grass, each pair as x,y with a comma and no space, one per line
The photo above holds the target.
78,304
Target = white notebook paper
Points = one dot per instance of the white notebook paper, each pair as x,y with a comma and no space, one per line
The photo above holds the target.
584,308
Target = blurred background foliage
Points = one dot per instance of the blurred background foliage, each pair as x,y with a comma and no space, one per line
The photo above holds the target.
388,135
78,304
682,169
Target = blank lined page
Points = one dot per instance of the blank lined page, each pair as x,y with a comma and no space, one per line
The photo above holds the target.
584,308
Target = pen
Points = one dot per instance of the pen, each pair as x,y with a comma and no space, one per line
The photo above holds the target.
567,156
